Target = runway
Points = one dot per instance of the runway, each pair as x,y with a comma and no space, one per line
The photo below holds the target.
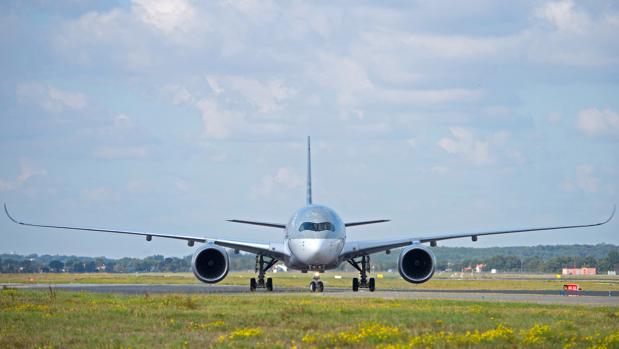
599,298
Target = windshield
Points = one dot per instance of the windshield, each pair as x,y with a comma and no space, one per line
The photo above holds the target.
316,226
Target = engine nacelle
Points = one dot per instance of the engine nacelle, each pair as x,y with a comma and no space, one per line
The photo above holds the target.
416,264
210,264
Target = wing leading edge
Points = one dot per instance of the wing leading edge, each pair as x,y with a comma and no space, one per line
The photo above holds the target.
358,248
354,224
269,249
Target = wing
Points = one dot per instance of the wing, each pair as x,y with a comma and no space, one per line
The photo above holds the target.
359,248
271,249
264,224
352,224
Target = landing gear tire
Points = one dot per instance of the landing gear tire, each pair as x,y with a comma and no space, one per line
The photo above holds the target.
363,266
313,286
372,285
263,264
321,286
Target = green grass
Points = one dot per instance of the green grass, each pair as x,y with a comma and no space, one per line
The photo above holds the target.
294,279
78,319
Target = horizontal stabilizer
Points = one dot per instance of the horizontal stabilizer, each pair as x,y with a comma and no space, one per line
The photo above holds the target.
264,224
352,224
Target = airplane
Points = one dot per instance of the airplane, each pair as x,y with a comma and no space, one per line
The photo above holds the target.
314,240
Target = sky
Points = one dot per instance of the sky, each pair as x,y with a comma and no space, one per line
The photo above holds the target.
172,116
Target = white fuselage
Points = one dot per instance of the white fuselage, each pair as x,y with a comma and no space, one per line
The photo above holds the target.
315,236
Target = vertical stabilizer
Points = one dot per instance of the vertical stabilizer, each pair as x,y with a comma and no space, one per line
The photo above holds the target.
309,173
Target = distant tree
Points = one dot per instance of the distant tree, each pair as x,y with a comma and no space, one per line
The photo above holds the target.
56,266
534,264
588,262
10,266
554,265
28,266
90,267
610,262
75,266
109,266
613,260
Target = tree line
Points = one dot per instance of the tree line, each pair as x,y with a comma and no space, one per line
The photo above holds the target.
33,263
538,259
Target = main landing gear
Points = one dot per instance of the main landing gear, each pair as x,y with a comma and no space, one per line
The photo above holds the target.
316,285
362,266
262,266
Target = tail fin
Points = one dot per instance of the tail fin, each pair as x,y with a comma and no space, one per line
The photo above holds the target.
309,173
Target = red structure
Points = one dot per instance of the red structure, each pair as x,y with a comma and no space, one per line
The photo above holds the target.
571,289
579,271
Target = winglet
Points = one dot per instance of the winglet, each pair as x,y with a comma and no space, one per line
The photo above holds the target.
611,215
9,215
309,173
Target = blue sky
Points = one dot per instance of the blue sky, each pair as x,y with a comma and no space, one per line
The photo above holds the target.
173,116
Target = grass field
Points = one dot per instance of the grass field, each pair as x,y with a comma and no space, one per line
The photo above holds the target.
46,319
389,280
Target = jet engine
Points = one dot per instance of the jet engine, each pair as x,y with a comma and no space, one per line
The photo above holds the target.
210,264
416,264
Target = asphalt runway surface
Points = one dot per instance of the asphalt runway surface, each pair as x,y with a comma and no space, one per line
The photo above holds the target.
594,298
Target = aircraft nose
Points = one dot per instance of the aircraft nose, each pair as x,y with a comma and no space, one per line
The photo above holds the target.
315,251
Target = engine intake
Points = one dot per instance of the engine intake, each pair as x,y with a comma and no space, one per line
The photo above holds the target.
210,264
416,264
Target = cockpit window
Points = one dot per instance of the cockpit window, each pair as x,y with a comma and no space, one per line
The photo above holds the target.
316,226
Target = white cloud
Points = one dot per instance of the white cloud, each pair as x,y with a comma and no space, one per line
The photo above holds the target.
595,122
49,97
179,95
585,180
264,97
285,177
214,85
218,123
557,33
27,171
115,127
354,90
288,177
237,105
568,35
466,146
563,15
167,16
457,46
121,152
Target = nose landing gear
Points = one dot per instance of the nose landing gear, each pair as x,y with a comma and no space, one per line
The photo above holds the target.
362,266
316,285
262,266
